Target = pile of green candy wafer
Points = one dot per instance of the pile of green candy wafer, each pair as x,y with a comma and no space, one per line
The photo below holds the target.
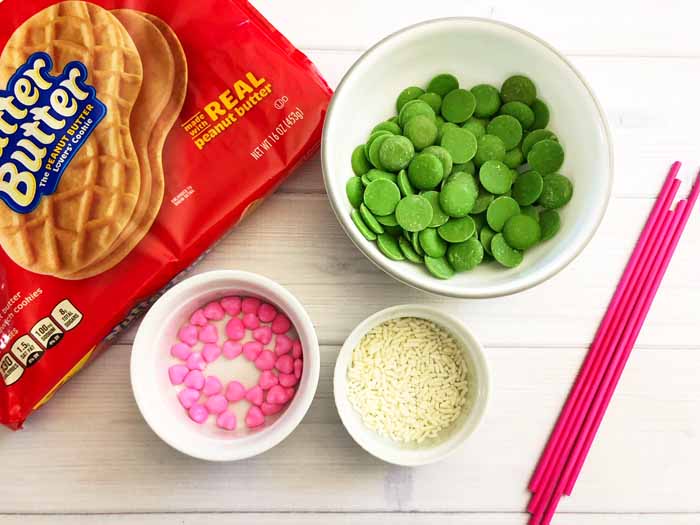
460,176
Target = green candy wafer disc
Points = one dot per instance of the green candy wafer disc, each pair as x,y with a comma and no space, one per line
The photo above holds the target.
408,94
425,171
550,222
360,164
395,153
409,252
354,190
518,88
414,213
370,220
499,211
556,191
360,224
457,230
442,84
439,267
522,232
528,188
546,156
520,111
466,255
458,105
381,196
460,143
439,216
389,246
534,137
506,128
421,131
488,100
504,254
495,177
433,245
489,147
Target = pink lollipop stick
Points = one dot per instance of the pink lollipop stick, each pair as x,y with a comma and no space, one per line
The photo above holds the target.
662,203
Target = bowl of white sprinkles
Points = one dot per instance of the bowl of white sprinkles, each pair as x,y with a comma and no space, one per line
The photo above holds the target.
411,384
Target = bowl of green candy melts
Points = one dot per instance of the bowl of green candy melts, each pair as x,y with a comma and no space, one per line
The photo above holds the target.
467,158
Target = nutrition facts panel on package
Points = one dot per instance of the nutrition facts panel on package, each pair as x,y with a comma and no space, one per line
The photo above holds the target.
44,335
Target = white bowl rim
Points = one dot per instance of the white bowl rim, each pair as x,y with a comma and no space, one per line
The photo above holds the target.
412,458
282,427
436,286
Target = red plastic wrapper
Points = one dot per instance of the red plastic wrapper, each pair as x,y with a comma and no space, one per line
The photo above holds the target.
133,135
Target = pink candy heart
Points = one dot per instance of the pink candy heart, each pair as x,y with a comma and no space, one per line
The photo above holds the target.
265,361
214,311
281,324
276,395
235,391
298,367
270,408
188,334
212,386
196,362
188,397
288,379
285,364
211,352
250,305
251,321
177,374
296,350
252,350
255,395
235,329
254,417
198,318
209,334
198,413
226,420
216,404
232,305
267,312
194,379
283,344
181,350
263,334
232,349
267,380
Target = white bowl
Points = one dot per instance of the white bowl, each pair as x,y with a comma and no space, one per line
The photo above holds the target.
150,358
452,437
476,51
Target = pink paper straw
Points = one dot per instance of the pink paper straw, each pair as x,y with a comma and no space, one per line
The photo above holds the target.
581,452
539,502
648,293
663,201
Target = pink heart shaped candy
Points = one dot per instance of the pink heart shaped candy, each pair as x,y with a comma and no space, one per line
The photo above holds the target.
252,350
212,386
211,352
198,413
285,364
198,318
181,351
255,395
226,420
263,334
267,379
209,334
188,334
281,324
216,404
288,379
296,350
196,362
232,349
298,367
283,344
235,329
267,312
194,379
232,305
177,374
188,397
214,311
276,395
251,321
265,361
250,305
270,408
235,391
254,417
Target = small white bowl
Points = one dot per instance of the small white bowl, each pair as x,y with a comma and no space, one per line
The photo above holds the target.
451,438
476,51
150,358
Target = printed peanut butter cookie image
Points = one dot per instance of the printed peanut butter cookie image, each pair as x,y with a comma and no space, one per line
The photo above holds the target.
69,78
156,109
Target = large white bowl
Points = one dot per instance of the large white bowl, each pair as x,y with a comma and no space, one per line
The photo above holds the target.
476,51
150,359
451,438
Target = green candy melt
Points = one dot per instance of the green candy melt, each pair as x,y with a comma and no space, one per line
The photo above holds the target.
354,189
370,220
408,251
391,127
425,171
466,255
556,191
395,153
476,125
360,224
389,246
404,184
521,111
439,216
522,232
442,84
546,156
458,105
408,94
489,147
439,267
504,254
433,245
534,137
528,188
488,100
495,177
433,100
541,113
550,222
414,213
359,162
499,211
518,88
381,196
457,199
421,131
460,143
457,230
506,128
444,156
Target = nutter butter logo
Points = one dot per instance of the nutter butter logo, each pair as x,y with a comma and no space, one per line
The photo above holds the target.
44,121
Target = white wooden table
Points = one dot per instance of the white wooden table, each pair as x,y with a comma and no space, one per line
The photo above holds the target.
88,458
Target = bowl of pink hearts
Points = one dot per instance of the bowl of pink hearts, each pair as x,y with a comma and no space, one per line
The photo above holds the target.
225,365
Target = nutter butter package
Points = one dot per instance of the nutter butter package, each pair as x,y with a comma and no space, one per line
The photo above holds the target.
133,135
